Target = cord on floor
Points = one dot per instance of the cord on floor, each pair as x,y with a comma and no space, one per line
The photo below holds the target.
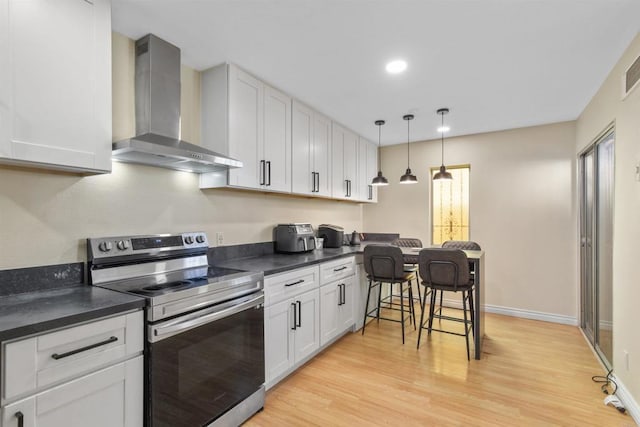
606,381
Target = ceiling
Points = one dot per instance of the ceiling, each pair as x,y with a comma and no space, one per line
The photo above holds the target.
497,64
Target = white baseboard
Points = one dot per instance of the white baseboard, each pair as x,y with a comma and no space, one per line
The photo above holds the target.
517,312
627,400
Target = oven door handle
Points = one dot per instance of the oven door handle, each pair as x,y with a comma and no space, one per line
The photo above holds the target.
161,332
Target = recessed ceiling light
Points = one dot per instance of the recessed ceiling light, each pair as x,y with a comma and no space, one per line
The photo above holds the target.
395,67
444,129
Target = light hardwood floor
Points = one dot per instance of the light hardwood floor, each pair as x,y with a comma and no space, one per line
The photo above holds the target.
532,373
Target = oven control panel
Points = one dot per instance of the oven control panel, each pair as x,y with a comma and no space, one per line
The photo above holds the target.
106,247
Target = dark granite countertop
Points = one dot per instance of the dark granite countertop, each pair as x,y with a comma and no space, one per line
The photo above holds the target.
40,311
277,263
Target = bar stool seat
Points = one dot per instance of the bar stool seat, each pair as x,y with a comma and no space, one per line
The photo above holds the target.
384,265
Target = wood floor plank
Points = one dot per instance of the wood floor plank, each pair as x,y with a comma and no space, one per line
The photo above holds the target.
531,373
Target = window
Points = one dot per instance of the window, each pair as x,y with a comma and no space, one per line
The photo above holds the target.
450,206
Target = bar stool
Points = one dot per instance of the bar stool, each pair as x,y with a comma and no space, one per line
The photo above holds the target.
384,264
465,245
446,270
410,261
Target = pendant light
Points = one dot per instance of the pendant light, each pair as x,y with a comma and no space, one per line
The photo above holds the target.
443,174
379,180
408,177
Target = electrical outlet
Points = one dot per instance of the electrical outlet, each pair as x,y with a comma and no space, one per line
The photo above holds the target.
626,359
219,238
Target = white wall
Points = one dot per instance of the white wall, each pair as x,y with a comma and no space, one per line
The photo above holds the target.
606,107
522,210
45,216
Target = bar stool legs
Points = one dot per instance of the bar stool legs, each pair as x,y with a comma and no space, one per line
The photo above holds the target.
388,300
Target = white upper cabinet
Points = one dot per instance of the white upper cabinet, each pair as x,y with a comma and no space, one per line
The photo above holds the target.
311,136
55,89
250,121
277,140
344,148
285,146
367,170
246,97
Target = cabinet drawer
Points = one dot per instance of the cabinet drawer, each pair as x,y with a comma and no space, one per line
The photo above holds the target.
334,270
33,363
281,286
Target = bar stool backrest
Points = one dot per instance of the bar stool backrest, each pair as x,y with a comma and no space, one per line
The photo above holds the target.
465,245
444,268
407,242
383,262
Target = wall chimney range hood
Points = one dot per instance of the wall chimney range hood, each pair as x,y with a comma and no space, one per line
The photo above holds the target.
157,103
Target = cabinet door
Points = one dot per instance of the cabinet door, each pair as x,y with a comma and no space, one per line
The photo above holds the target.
338,180
277,140
346,311
350,153
322,153
329,301
246,126
307,335
302,169
278,339
364,182
111,397
372,169
55,90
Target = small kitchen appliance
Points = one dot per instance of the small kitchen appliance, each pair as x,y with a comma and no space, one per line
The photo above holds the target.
204,353
333,235
294,238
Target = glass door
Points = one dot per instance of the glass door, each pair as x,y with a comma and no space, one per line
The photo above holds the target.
596,244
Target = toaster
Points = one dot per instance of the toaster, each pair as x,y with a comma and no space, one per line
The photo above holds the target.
294,238
333,235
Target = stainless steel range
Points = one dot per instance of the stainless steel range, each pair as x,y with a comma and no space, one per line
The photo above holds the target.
204,358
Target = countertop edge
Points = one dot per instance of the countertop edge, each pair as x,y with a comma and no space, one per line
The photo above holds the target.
46,326
309,263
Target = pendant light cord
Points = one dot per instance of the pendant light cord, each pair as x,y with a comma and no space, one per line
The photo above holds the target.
408,144
442,137
379,152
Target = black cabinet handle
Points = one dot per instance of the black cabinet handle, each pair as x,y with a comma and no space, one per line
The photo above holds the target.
370,192
20,416
295,283
317,182
269,175
262,172
294,316
313,182
339,294
57,356
299,324
349,188
344,267
344,294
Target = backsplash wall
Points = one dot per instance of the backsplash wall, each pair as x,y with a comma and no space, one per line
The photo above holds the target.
46,216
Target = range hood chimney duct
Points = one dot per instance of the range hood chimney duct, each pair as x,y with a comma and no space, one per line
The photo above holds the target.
157,102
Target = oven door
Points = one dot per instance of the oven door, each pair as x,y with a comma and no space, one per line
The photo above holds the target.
204,363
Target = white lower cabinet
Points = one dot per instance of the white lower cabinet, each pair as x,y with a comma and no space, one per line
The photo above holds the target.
291,333
305,311
336,308
90,374
107,398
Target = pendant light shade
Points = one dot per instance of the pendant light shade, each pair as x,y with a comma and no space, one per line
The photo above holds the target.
408,177
443,174
379,180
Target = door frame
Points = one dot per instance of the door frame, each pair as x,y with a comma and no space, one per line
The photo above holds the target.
609,130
